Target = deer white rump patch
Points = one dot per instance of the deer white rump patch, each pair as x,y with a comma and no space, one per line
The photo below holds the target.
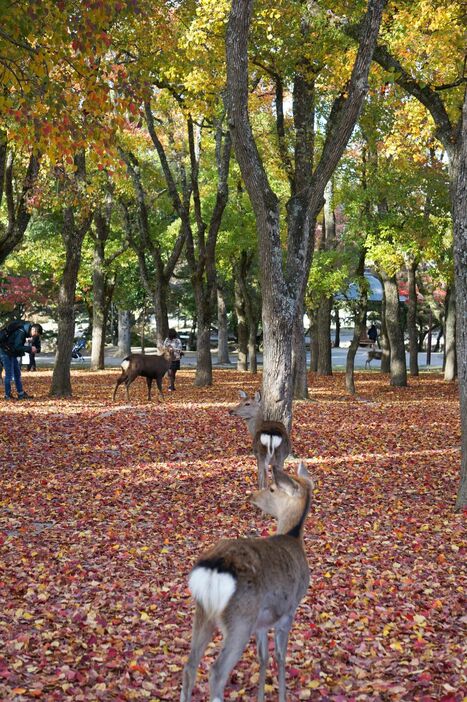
125,364
212,590
272,441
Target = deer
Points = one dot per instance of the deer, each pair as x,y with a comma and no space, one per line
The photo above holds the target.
152,367
249,585
373,355
271,443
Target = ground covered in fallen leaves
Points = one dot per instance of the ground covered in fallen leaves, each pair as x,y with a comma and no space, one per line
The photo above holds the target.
104,507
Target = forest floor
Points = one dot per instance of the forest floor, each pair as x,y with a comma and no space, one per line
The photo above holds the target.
104,507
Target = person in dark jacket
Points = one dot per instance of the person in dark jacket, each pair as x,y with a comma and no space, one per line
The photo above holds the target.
16,346
36,343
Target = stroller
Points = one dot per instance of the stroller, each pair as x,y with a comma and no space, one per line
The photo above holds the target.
77,348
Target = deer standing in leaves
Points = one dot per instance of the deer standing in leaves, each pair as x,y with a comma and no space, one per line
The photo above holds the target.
247,586
271,444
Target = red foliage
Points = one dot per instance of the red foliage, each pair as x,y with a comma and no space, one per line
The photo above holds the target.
105,506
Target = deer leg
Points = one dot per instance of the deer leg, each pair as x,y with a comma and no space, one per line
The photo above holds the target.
262,649
120,380
149,384
159,386
262,471
203,630
281,638
237,637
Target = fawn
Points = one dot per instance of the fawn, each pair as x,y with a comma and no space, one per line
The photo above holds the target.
249,585
271,444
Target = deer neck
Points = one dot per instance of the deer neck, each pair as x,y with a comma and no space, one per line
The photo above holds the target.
293,524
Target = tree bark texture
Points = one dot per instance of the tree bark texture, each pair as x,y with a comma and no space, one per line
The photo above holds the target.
450,355
324,337
314,348
155,277
18,214
242,329
398,367
384,338
124,332
73,236
222,326
283,286
412,317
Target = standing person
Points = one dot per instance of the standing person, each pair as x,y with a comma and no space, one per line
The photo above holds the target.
14,345
373,334
173,342
35,343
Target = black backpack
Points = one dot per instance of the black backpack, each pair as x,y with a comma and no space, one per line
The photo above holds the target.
6,332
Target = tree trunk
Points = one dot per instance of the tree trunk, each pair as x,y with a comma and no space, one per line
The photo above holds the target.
337,337
300,380
384,339
73,239
203,376
98,308
450,356
18,211
252,334
458,169
412,318
159,298
242,329
124,332
222,325
398,368
283,283
324,337
314,346
359,329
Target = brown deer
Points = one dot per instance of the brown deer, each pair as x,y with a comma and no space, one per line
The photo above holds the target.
247,586
373,355
271,444
152,367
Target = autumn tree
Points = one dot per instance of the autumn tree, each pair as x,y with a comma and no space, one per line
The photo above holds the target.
283,284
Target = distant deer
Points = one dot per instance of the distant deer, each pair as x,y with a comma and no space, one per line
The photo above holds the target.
250,585
271,444
150,366
373,355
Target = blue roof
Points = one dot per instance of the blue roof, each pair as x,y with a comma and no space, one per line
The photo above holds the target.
375,292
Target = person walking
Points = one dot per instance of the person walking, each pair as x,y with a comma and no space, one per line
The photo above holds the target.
11,347
173,342
373,334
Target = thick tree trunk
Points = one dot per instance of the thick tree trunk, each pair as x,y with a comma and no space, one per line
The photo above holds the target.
159,298
300,380
98,308
394,329
253,361
458,170
222,325
124,332
450,355
412,318
73,238
314,347
242,329
283,284
203,376
324,337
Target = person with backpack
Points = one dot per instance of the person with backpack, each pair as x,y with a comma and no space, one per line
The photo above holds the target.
12,345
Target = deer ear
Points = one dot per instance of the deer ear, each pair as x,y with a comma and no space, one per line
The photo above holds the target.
258,396
242,394
304,474
285,483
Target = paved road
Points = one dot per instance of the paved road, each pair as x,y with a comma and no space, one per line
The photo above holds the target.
189,360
